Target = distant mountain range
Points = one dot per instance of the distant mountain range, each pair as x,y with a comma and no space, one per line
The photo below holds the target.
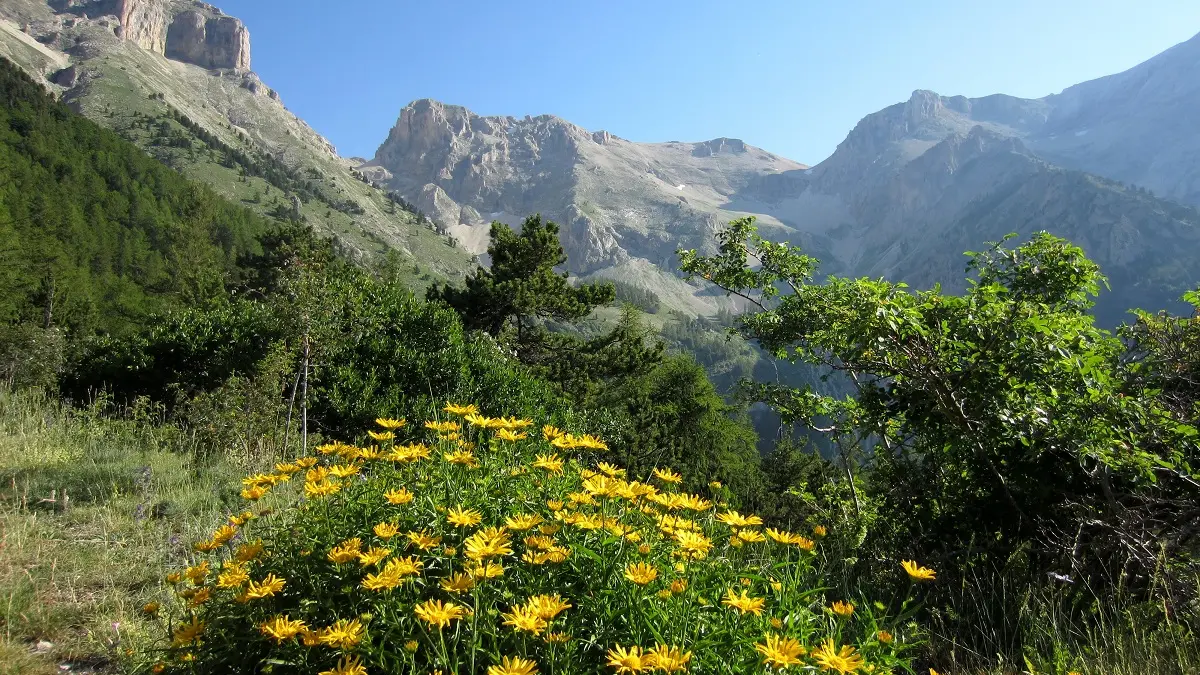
1113,164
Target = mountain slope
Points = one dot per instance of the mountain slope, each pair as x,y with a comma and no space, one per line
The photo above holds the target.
109,60
624,207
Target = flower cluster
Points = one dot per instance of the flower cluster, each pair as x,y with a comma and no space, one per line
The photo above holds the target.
435,545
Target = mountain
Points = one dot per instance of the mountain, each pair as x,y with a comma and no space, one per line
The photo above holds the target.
173,76
910,189
624,207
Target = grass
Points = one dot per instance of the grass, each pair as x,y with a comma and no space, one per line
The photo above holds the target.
91,511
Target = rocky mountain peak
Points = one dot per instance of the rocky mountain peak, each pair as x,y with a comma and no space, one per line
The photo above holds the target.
717,146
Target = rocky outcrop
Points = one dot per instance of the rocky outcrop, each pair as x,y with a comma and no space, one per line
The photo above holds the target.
183,30
208,41
144,23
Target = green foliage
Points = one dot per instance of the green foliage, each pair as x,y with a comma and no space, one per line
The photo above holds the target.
674,417
521,283
95,235
1000,429
373,348
642,298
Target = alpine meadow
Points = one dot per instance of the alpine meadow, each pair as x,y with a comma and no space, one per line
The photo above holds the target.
513,397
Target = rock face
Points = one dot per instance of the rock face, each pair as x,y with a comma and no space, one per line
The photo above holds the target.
183,30
143,22
623,207
208,41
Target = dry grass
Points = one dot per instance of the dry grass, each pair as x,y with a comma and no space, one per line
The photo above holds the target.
91,512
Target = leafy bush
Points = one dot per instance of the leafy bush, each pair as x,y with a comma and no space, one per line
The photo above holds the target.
489,547
1003,434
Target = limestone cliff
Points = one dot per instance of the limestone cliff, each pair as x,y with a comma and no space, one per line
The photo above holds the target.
183,30
208,41
144,22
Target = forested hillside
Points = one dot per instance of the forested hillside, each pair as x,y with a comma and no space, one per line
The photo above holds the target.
95,236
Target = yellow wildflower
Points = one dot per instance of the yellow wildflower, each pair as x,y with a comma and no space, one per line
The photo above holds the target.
233,576
918,573
382,436
391,424
202,596
461,410
750,536
242,518
187,633
692,544
641,573
844,660
398,497
514,665
511,436
373,555
197,573
423,540
322,488
344,470
255,492
457,583
525,618
842,608
668,476
386,530
884,637
347,665
461,517
281,628
780,652
346,551
735,519
548,606
461,457
269,586
743,602
668,659
344,634
248,551
488,570
439,615
522,521
630,660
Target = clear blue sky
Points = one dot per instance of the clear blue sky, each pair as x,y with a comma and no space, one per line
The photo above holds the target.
791,76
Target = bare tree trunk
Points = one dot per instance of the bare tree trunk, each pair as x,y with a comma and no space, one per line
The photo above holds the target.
287,431
304,399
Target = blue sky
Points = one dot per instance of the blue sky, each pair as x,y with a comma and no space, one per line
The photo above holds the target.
791,76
